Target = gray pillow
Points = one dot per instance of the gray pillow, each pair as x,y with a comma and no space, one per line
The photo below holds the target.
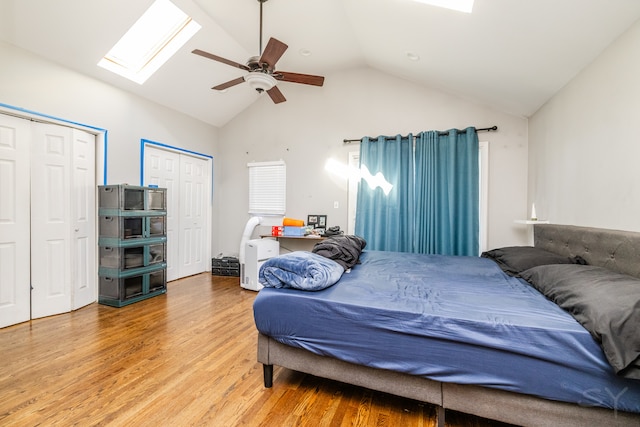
606,303
515,259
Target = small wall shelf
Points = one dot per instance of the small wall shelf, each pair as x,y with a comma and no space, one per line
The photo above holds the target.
530,221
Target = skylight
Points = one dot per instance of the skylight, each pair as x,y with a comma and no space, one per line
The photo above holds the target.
150,42
459,5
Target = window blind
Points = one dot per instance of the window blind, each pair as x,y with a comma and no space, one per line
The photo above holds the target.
267,188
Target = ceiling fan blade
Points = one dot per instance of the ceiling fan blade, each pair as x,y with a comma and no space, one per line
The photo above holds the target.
228,84
306,79
276,96
220,59
274,50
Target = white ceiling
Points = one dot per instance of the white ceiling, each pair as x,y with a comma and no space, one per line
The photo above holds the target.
512,55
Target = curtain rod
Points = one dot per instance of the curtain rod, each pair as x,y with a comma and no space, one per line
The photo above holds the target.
492,128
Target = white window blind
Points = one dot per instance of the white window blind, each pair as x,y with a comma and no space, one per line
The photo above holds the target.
267,188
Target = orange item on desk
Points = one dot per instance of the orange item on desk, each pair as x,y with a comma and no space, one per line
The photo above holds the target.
290,222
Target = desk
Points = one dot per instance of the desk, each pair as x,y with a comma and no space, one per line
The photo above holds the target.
296,243
310,237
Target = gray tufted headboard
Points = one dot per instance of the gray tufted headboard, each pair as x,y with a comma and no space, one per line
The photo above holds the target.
612,249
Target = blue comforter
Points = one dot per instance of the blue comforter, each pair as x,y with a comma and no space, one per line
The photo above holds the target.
300,270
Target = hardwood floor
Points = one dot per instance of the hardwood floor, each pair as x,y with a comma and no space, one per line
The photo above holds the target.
186,358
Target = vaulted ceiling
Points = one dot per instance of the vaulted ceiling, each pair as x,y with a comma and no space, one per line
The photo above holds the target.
511,55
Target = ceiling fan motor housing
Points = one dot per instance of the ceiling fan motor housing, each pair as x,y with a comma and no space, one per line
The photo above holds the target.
253,63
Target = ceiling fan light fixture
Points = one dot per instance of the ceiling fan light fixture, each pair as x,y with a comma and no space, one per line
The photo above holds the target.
260,81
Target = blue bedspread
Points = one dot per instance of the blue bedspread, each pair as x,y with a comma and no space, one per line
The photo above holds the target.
451,319
300,270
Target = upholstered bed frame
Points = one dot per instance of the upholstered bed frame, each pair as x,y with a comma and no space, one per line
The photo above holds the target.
616,250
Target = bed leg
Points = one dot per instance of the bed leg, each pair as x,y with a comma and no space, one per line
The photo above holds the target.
267,371
440,416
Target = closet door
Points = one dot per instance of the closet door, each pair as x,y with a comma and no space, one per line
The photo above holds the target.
47,220
83,219
51,220
188,183
162,168
63,236
15,139
194,180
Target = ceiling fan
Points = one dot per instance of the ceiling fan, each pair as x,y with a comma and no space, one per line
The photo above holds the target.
262,75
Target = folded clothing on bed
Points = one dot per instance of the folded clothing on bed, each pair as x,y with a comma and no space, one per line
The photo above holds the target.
345,250
300,270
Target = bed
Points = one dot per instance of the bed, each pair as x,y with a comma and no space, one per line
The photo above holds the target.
525,361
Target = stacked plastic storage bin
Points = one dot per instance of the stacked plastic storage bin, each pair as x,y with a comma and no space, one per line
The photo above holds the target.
132,243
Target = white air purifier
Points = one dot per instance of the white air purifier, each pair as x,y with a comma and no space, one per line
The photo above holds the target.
256,252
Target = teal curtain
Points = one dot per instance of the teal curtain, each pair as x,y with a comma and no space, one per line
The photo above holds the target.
384,213
420,198
447,193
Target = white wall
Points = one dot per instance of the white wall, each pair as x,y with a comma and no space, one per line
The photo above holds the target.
32,83
305,131
584,144
309,128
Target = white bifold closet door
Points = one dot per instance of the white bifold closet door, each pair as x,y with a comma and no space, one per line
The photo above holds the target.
15,226
187,180
194,181
47,220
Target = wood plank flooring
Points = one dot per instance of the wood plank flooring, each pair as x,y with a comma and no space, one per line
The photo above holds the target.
186,358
